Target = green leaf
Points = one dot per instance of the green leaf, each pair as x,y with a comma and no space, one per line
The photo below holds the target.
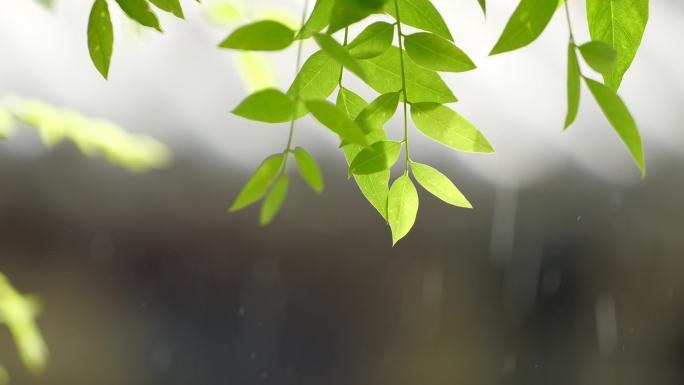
599,55
350,103
347,12
372,41
526,24
402,207
336,120
309,169
420,14
264,35
339,53
274,201
445,126
139,10
483,5
439,185
374,187
317,79
378,113
269,105
422,85
379,156
100,36
574,83
436,53
172,6
319,19
258,185
621,24
6,124
619,117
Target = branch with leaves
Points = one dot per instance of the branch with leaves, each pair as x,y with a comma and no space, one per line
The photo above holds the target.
407,73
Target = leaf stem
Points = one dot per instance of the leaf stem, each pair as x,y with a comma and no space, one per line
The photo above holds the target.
403,85
567,16
346,39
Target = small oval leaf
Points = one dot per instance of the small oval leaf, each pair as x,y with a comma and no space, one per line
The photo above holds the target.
372,41
269,105
375,158
309,170
339,53
258,185
139,10
436,53
274,200
402,207
264,35
574,83
599,55
449,128
100,36
439,185
336,120
528,21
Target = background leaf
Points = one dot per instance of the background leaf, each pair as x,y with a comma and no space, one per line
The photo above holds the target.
258,185
420,14
402,207
372,41
423,85
528,21
436,53
309,169
269,105
336,120
319,19
449,128
347,12
339,53
620,24
274,200
139,10
100,36
574,83
264,35
439,185
172,6
619,117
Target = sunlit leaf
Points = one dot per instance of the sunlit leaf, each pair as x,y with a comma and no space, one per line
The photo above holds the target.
619,117
436,53
339,53
264,35
402,207
337,121
258,185
526,24
379,156
317,79
309,169
319,19
420,14
422,85
100,36
573,84
446,126
439,185
620,24
372,41
347,12
139,10
378,113
599,55
172,6
350,103
270,106
274,200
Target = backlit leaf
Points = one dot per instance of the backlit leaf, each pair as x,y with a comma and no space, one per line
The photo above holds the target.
526,24
317,79
439,185
619,117
372,41
402,207
378,113
319,19
574,83
599,55
337,121
339,53
269,105
347,12
309,169
258,185
264,35
379,156
436,53
420,14
422,85
139,10
620,24
100,36
172,6
350,103
445,126
274,200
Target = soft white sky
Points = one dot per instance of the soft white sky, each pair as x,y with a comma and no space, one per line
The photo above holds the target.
179,87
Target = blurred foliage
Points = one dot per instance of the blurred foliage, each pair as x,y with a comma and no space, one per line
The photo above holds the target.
18,313
136,153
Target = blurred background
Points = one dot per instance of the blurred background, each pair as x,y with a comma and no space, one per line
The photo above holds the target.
568,271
